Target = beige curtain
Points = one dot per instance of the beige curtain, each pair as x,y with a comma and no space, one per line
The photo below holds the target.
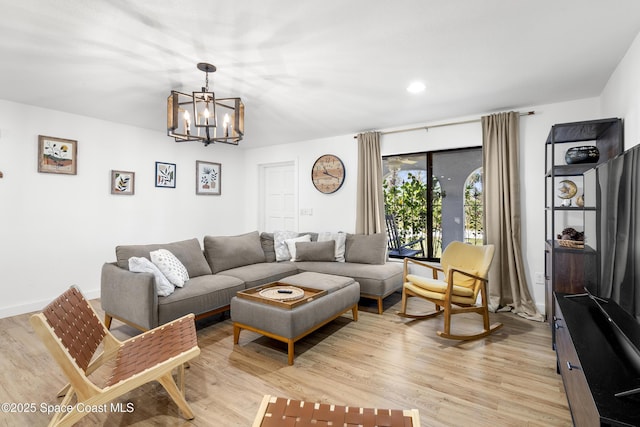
508,287
370,199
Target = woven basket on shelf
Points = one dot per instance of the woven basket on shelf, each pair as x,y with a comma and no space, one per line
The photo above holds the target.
574,244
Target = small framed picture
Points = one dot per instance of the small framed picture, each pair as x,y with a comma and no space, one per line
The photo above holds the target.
123,182
165,175
208,178
57,155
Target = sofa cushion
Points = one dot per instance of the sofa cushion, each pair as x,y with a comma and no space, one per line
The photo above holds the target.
316,251
267,242
366,248
225,252
265,272
375,280
188,252
199,295
340,238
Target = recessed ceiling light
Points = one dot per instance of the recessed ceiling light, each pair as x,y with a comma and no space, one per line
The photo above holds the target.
416,87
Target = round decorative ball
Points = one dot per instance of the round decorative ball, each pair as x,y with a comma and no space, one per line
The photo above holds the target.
584,154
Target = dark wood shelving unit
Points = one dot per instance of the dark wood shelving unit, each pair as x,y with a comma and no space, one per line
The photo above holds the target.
564,267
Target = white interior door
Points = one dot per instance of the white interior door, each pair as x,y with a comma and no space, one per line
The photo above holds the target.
279,196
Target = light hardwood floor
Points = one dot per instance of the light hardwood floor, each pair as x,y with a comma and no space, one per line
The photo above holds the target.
384,361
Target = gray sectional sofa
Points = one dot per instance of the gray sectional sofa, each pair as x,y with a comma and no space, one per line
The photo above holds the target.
229,264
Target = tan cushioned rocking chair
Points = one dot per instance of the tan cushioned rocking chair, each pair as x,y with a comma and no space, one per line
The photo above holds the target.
72,332
465,268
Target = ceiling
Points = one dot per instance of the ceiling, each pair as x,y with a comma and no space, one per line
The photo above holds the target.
310,69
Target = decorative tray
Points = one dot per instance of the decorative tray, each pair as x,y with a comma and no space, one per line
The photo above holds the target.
268,294
574,244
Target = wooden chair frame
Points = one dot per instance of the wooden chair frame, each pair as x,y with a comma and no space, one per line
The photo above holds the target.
446,306
72,332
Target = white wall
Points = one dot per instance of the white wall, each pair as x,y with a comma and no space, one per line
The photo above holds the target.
331,212
621,96
58,230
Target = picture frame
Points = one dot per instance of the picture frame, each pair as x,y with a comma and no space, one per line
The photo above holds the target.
57,155
123,182
165,175
208,178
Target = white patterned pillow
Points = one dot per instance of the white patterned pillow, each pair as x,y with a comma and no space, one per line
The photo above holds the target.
340,238
142,265
291,245
279,245
170,266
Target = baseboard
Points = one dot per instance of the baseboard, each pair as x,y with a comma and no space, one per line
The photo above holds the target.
38,305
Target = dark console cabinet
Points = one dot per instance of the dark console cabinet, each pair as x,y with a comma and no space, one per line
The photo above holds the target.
593,365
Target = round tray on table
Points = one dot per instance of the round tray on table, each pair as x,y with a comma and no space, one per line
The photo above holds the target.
291,293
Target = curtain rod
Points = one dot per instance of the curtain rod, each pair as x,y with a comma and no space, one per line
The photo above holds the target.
528,113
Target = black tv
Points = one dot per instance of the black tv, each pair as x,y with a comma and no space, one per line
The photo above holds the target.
612,247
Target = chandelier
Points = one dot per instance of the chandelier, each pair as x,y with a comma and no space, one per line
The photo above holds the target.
202,117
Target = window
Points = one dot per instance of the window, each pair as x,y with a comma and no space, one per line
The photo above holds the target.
436,196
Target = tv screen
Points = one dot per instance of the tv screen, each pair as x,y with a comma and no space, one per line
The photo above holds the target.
616,237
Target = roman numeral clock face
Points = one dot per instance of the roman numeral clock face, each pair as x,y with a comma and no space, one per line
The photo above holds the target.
327,174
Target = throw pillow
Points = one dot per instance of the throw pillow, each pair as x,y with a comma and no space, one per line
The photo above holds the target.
316,251
282,251
340,238
170,266
291,244
142,265
366,248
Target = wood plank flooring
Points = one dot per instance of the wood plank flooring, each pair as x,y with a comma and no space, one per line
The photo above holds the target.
383,361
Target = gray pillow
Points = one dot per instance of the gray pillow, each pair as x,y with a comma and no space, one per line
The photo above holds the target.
188,252
366,248
316,251
225,252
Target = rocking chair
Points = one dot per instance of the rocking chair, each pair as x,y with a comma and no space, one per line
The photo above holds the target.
396,248
465,268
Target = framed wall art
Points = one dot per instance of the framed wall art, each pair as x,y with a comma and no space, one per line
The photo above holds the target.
123,182
165,175
57,155
208,178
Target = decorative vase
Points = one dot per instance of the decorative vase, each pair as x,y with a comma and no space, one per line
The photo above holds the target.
585,154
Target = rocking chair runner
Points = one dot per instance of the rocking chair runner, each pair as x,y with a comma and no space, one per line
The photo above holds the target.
72,332
396,248
465,268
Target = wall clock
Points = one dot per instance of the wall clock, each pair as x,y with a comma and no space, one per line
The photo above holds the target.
327,174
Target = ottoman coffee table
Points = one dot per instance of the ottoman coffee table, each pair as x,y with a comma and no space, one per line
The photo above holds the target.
325,297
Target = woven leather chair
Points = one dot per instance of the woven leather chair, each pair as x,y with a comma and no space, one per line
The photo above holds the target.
465,268
72,332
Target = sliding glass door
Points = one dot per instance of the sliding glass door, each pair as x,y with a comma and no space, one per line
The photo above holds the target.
435,196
